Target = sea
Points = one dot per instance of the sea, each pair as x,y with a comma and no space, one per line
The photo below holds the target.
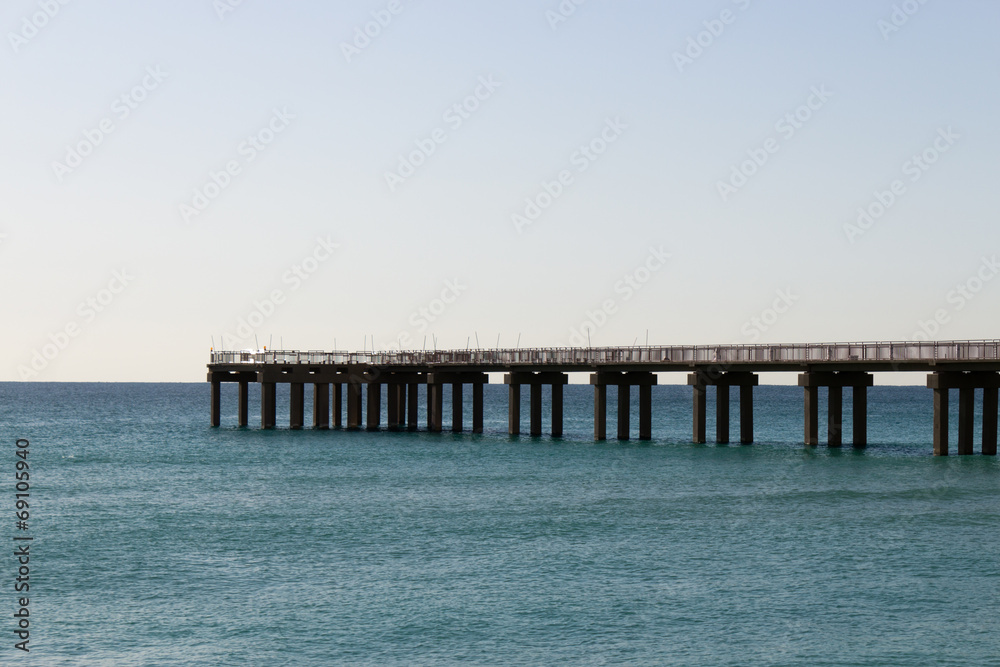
158,540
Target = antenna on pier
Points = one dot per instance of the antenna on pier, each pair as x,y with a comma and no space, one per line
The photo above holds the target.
434,336
334,343
255,341
634,341
425,342
281,339
498,341
468,339
647,337
364,347
213,342
477,340
270,341
588,338
518,339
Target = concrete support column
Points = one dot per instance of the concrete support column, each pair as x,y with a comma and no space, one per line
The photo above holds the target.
859,416
722,413
456,407
338,405
374,406
412,406
477,407
746,414
514,409
354,405
321,405
812,415
535,403
940,422
244,403
990,421
645,412
392,406
699,413
835,416
296,405
435,407
966,419
216,402
268,403
401,404
624,405
557,410
600,412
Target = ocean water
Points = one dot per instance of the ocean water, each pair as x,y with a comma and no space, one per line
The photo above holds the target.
161,541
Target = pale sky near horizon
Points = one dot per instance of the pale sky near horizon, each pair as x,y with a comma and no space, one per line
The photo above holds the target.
175,174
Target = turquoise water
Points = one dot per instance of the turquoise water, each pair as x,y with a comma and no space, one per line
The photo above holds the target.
161,541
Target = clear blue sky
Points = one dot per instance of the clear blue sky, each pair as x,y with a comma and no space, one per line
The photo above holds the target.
113,217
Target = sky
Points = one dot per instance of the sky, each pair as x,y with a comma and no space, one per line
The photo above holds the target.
406,173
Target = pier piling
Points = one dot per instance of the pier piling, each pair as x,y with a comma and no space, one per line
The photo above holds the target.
321,405
216,401
722,381
268,405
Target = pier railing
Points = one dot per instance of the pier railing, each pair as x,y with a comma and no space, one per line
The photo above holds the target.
981,350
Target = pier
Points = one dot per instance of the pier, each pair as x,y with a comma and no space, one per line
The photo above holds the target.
966,366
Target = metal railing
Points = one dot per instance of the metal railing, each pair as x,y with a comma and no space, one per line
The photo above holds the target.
973,350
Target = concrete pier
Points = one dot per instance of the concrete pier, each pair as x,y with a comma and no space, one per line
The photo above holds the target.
966,383
412,406
624,381
268,405
338,405
477,406
296,405
722,381
435,406
967,366
354,405
513,407
321,405
535,382
392,406
600,411
374,406
835,382
435,392
243,417
216,401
